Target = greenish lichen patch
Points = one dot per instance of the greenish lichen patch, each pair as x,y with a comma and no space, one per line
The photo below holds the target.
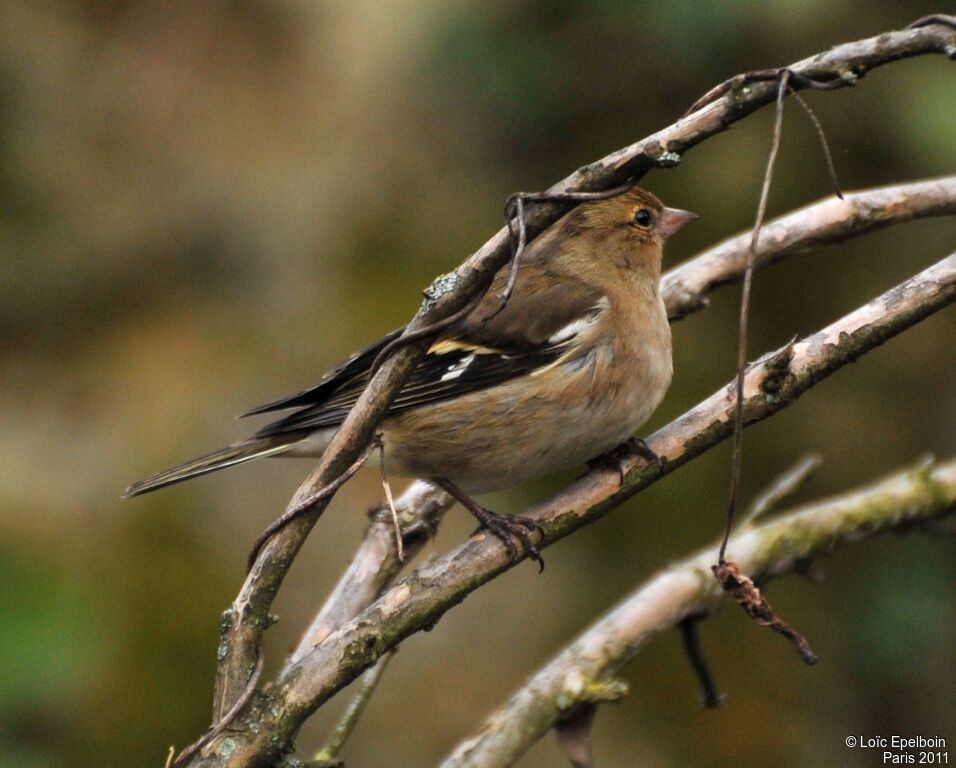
669,160
228,746
440,286
580,688
363,651
795,540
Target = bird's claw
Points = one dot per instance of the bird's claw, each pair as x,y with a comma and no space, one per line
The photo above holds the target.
503,527
641,448
617,457
507,528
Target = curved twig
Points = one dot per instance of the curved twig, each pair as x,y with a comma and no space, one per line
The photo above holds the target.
346,724
743,325
325,493
226,720
783,486
824,144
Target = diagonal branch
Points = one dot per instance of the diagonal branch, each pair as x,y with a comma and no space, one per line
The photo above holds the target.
895,504
267,726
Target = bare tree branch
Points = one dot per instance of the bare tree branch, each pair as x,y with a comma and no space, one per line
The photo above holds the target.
244,622
376,562
770,550
266,727
783,486
710,694
831,220
343,729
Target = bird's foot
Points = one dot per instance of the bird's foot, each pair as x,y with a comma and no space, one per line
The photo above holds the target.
506,528
617,457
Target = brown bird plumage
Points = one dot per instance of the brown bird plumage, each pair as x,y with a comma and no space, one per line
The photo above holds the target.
572,366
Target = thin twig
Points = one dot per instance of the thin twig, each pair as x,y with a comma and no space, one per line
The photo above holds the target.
390,501
834,81
375,564
710,695
785,485
824,144
353,711
685,289
327,492
745,313
934,18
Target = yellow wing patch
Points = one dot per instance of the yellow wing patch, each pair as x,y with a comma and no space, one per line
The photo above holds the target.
445,346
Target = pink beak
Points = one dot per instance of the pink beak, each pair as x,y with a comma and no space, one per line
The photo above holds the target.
674,219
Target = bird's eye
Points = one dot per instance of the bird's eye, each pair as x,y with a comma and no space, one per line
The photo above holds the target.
642,217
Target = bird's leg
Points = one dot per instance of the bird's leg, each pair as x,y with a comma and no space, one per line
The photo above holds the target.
616,458
504,527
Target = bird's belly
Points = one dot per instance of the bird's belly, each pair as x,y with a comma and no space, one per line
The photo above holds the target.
511,433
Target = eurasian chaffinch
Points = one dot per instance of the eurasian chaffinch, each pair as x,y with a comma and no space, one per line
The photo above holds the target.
570,368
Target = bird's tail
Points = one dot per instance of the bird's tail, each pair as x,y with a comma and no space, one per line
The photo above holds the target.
224,457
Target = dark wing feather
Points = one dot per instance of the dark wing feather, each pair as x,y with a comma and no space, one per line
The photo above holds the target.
480,368
341,374
488,348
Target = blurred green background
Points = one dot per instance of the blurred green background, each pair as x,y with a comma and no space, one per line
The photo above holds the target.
204,205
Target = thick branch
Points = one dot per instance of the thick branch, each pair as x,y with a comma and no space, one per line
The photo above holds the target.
244,622
770,550
421,599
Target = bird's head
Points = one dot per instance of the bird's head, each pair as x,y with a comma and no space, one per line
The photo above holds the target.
621,237
636,217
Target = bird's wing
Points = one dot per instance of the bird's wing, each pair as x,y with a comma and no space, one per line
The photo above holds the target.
541,306
346,371
488,348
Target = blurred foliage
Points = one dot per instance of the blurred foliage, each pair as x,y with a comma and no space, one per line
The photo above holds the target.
203,205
